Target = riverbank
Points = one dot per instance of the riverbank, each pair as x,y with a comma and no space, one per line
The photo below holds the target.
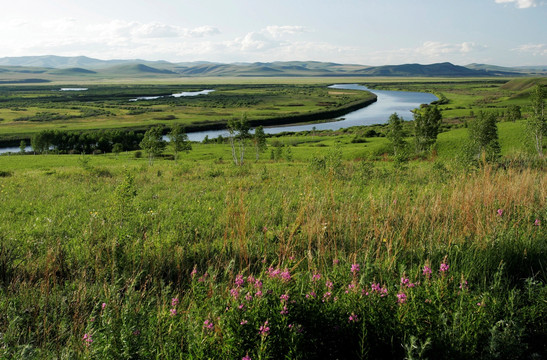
309,118
31,110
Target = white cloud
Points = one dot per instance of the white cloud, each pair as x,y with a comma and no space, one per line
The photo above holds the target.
277,31
428,52
436,49
534,49
252,41
521,4
135,30
201,31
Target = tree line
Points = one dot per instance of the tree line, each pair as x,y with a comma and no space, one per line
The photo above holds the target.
483,141
67,142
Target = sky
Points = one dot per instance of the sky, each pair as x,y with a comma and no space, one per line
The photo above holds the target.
367,32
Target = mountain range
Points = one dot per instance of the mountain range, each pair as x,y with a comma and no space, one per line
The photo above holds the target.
35,69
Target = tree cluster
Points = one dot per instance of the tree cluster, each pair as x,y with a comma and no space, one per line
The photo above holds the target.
537,123
65,142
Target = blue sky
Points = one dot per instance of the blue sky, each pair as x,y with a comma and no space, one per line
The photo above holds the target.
379,32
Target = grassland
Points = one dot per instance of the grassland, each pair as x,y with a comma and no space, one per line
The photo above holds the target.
323,248
25,110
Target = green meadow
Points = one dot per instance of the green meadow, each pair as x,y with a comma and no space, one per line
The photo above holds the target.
26,110
326,246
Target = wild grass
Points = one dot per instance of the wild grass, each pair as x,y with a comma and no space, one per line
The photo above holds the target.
330,250
31,109
165,247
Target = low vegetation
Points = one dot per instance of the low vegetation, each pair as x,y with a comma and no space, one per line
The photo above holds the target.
26,110
314,246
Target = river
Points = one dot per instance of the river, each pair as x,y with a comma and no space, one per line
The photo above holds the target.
401,102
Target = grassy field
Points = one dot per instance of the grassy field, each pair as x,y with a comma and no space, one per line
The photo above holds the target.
465,97
25,110
328,250
328,246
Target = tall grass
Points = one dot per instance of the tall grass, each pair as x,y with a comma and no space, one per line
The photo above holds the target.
135,238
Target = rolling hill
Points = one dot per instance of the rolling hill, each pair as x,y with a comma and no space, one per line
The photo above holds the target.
30,69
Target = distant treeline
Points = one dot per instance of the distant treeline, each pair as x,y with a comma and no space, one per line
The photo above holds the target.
66,142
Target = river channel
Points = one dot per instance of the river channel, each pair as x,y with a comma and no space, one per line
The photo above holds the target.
401,102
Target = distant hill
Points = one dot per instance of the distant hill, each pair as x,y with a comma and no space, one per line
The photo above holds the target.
72,71
501,70
59,68
522,84
135,69
440,69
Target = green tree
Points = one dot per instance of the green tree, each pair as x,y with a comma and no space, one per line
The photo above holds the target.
239,133
117,148
483,137
537,122
513,113
153,143
427,123
22,146
179,140
41,141
259,141
395,133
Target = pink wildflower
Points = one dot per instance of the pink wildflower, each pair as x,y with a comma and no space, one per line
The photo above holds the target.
353,318
208,325
335,262
264,329
194,272
273,272
284,311
103,305
500,212
328,284
311,294
284,297
234,293
258,293
239,281
173,312
426,271
355,268
243,322
286,275
401,298
444,267
246,357
87,339
174,302
249,296
350,288
537,222
316,277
